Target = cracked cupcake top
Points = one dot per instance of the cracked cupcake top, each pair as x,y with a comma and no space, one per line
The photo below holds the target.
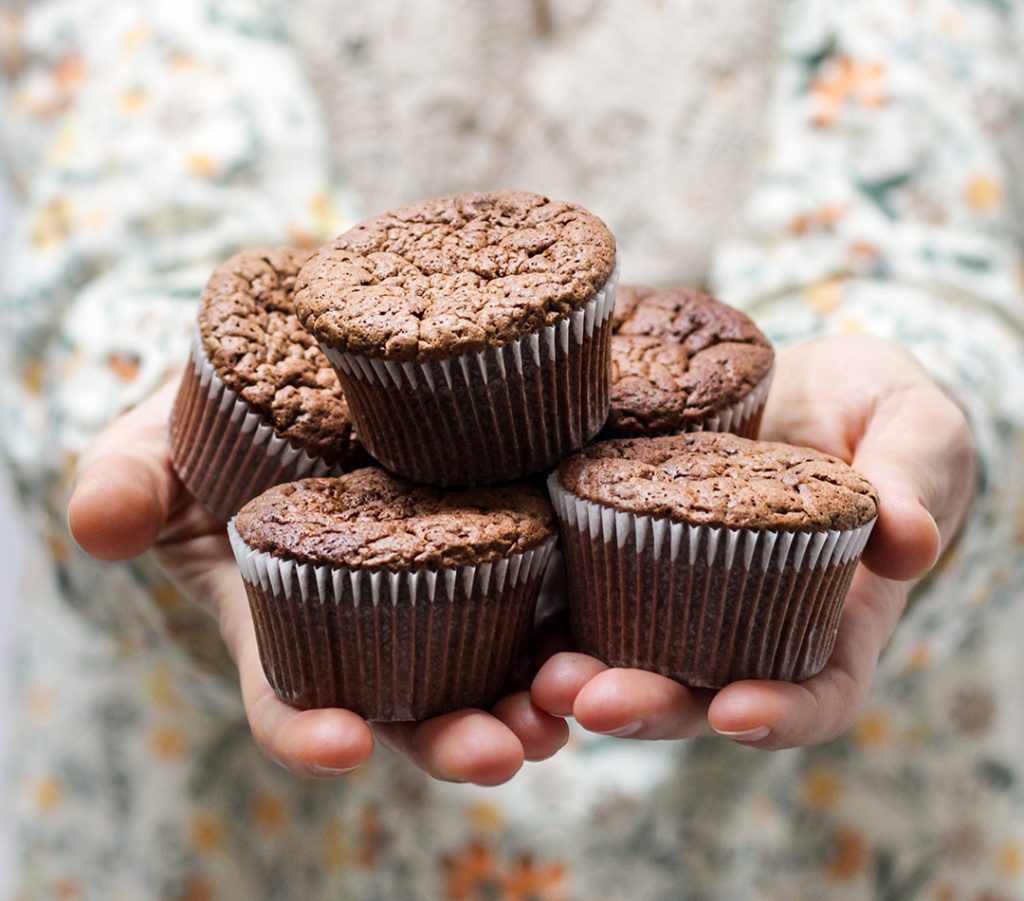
679,355
717,479
368,519
454,274
258,347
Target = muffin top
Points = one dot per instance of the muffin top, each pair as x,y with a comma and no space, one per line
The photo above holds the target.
678,356
258,347
717,479
688,317
368,519
658,388
454,274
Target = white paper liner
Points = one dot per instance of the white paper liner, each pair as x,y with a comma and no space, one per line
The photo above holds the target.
490,415
392,646
223,450
705,605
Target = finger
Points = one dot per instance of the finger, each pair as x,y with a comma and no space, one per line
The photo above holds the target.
895,426
632,703
318,743
464,746
126,487
560,680
905,541
916,451
540,734
776,715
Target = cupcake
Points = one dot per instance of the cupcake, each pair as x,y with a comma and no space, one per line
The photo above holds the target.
708,557
259,403
470,333
683,362
397,601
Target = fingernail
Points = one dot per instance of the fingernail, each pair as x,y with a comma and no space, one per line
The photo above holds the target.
326,772
749,735
627,730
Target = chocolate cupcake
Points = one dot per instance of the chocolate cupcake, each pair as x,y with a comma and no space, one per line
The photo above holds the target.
470,333
397,601
708,557
683,362
259,404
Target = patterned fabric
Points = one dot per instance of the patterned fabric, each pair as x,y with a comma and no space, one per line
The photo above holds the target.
149,140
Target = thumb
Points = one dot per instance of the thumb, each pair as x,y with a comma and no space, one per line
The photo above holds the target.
917,452
126,486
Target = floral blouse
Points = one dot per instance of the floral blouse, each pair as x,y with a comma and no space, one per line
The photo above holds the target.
147,141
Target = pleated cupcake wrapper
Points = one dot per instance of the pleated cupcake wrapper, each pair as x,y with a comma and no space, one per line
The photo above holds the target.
222,449
703,605
392,646
742,418
491,415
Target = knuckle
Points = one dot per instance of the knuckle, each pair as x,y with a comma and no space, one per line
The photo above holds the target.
261,727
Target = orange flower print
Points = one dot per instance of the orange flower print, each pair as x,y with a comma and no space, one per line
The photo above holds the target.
851,855
201,165
160,688
167,742
472,874
372,837
198,889
40,702
484,816
822,789
983,193
52,225
337,851
1010,860
133,100
872,729
477,873
920,656
207,833
866,257
824,297
69,71
818,220
844,82
49,793
269,811
32,377
529,881
124,366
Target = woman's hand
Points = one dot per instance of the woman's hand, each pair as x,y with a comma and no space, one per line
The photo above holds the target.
869,402
128,500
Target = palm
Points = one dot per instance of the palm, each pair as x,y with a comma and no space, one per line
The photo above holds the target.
128,470
860,399
868,402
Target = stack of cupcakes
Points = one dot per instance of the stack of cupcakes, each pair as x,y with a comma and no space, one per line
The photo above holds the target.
470,342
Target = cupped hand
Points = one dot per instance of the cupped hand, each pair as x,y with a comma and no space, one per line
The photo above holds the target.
128,500
869,402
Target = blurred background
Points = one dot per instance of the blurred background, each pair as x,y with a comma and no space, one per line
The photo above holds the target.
13,542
